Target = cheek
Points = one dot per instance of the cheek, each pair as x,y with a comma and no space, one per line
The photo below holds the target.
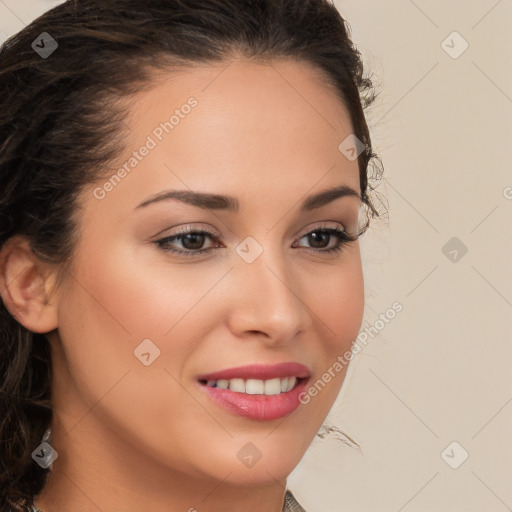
135,295
117,299
339,304
338,313
109,308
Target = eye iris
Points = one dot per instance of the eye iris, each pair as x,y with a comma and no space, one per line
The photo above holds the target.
196,238
315,236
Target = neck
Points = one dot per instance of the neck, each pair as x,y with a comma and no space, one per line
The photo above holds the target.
96,473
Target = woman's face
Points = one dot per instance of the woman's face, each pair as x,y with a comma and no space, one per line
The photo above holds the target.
142,329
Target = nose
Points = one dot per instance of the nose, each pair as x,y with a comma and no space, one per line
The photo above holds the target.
267,301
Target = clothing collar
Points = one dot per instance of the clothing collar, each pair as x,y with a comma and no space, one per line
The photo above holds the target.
291,504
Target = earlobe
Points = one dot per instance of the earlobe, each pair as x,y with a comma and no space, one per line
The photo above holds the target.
24,285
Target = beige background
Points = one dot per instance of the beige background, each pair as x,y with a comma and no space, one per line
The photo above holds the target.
440,370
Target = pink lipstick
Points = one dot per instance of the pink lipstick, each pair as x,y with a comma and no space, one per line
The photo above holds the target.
259,392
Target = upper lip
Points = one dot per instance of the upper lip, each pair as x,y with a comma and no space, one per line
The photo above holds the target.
259,371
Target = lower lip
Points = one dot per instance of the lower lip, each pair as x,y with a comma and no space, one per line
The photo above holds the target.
257,407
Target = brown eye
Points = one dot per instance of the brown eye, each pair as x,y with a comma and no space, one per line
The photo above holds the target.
193,241
319,239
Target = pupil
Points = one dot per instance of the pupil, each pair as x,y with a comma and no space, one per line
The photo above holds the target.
194,237
316,235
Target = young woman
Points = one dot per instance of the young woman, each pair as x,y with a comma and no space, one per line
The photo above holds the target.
182,188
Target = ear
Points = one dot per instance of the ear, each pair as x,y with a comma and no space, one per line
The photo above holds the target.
25,285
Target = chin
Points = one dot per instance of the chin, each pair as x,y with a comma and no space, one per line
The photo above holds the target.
246,463
261,474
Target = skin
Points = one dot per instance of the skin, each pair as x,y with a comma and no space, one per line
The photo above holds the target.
130,435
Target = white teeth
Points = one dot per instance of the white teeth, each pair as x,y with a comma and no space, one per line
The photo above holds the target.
256,386
291,383
224,384
273,386
237,385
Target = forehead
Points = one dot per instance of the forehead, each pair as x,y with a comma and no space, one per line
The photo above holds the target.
235,97
239,125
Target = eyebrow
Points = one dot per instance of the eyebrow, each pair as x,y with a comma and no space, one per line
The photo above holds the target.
222,202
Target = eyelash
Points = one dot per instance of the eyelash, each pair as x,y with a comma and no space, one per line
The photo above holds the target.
342,236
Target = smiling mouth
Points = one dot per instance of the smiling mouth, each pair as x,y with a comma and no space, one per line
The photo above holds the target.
276,386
